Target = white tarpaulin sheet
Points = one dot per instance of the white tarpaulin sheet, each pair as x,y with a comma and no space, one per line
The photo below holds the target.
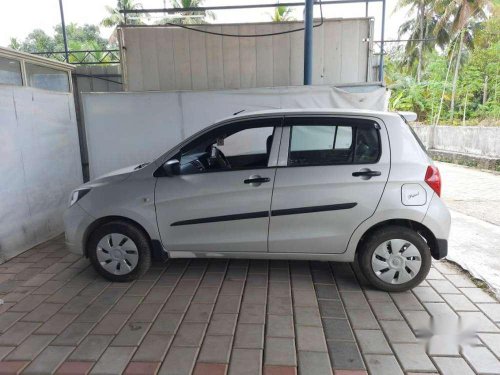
39,165
132,127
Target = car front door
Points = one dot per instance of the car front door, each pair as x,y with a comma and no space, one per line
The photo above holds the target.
220,203
331,175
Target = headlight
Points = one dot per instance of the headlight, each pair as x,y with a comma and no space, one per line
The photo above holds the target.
77,195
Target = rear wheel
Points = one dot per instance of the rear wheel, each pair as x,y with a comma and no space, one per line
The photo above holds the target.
395,259
119,251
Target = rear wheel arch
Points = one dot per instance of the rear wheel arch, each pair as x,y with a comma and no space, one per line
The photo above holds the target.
425,232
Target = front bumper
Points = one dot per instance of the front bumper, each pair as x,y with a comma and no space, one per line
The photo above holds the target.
76,222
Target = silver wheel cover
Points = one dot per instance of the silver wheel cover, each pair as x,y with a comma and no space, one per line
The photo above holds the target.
117,254
396,261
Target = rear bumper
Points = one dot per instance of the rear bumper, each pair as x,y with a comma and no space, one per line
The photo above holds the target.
441,249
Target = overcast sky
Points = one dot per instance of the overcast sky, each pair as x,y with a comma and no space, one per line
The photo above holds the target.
19,17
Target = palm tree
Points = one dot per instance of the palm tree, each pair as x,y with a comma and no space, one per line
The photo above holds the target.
189,17
420,31
463,15
116,18
282,14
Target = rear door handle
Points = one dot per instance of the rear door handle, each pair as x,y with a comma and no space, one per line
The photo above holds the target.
366,173
256,180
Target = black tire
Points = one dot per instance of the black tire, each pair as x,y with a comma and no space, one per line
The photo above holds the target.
371,243
135,234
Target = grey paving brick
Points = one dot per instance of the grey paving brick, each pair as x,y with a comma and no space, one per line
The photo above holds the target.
255,295
190,334
383,364
345,355
481,359
327,291
222,324
177,304
17,333
374,295
227,304
131,334
94,313
232,287
406,301
441,345
418,320
216,349
56,324
257,280
185,287
461,281
491,310
372,341
310,339
331,309
354,300
427,294
5,350
140,288
252,313
113,361
280,326
280,351
30,348
249,336
48,360
126,304
38,279
280,306
441,311
363,319
245,362
42,313
28,303
304,297
73,334
110,296
146,312
7,319
476,295
443,286
413,357
398,331
199,312
167,322
279,289
314,363
386,311
434,274
49,287
337,329
179,361
91,348
492,341
459,302
455,366
307,315
111,324
153,348
213,279
206,294
478,321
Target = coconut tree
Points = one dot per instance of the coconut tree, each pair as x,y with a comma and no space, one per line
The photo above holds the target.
282,14
421,32
464,16
190,17
116,18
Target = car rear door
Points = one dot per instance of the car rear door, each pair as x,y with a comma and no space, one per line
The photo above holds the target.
331,175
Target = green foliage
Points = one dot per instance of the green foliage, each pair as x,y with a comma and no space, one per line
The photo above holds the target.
477,86
282,14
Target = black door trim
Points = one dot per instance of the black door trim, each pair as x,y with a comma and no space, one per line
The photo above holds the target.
307,210
215,219
261,214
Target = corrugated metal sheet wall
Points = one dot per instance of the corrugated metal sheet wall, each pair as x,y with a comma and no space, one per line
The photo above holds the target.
163,58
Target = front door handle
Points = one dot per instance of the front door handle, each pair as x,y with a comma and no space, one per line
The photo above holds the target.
366,173
256,180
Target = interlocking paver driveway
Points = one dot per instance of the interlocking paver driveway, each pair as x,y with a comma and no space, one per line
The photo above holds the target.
207,317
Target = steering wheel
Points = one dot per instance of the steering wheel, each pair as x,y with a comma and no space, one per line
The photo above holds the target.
219,156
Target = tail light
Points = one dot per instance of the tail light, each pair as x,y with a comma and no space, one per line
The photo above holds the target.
433,179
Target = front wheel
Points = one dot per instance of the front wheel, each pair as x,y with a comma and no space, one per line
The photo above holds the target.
395,259
119,251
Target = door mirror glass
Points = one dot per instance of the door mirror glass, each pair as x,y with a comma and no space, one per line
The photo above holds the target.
172,167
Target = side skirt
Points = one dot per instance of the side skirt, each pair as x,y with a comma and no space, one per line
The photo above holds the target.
343,257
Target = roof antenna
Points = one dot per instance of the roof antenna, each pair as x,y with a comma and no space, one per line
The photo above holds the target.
238,112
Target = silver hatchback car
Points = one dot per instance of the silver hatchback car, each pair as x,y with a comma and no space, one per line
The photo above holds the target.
283,184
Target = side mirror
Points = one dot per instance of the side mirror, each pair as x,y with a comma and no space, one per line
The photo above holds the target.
172,168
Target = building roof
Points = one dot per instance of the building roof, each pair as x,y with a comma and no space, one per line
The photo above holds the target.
8,52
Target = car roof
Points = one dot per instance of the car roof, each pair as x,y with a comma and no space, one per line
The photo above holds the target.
309,111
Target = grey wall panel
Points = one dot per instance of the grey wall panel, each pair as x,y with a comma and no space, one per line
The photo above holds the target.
133,127
164,58
39,165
